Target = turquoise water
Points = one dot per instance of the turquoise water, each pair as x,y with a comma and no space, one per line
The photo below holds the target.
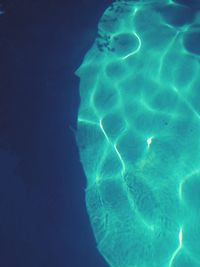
138,134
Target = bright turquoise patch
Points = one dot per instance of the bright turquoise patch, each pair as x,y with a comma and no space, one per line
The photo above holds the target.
139,134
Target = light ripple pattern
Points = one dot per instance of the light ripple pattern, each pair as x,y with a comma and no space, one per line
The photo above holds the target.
138,133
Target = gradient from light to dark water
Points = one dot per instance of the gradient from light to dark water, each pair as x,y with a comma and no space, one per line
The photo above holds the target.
43,220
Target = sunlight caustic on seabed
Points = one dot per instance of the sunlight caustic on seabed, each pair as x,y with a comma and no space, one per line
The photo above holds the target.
138,133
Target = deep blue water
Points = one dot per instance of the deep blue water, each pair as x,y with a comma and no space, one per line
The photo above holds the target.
43,219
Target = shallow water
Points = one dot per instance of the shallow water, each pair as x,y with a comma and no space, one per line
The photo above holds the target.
138,134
